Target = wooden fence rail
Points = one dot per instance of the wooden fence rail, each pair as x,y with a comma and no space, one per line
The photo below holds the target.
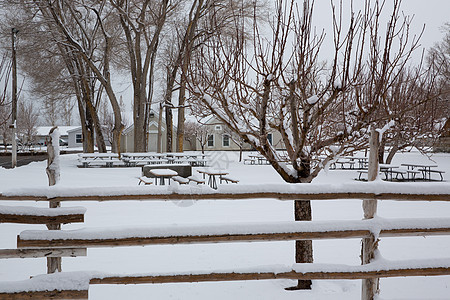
253,193
256,232
367,271
35,243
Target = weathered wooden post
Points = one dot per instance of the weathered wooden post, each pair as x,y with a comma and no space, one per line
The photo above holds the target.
52,170
370,244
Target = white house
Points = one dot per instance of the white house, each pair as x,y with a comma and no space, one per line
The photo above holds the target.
127,142
220,138
75,138
42,136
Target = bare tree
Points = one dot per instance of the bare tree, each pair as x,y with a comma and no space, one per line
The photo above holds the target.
5,108
87,48
27,120
320,109
55,34
206,18
142,23
198,131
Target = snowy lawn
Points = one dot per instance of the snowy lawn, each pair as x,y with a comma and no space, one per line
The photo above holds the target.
185,258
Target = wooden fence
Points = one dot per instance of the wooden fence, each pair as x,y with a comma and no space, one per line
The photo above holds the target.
30,244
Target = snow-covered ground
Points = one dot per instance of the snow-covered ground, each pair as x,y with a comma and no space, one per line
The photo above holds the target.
184,258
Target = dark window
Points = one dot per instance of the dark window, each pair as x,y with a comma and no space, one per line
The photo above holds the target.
78,139
226,140
269,138
210,140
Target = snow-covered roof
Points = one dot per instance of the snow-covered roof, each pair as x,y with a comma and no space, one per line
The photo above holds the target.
63,130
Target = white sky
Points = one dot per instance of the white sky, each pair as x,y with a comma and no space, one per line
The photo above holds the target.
433,13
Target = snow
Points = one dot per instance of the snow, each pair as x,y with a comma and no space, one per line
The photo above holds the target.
386,127
312,100
39,211
163,172
170,217
75,281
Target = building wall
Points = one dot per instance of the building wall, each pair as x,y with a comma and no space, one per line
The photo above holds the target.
71,139
218,131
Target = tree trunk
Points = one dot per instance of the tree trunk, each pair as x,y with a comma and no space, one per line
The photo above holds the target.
369,244
169,129
303,249
381,152
181,119
53,263
391,154
159,139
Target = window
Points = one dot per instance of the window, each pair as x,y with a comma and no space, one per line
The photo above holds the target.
226,140
218,127
269,138
210,140
78,138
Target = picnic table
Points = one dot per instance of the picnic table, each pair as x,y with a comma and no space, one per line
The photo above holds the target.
426,170
162,174
389,170
362,161
142,158
102,159
212,182
259,158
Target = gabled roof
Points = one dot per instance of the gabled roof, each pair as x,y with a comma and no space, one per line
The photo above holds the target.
63,130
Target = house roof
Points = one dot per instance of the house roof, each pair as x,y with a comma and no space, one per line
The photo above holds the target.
63,130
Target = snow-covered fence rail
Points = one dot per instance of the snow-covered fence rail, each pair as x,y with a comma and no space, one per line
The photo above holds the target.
75,285
38,215
360,191
237,232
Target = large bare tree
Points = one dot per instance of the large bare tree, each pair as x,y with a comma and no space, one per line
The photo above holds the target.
142,23
278,82
205,19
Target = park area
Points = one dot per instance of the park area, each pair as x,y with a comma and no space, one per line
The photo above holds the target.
128,218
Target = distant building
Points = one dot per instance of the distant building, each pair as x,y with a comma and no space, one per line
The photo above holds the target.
127,142
75,138
42,136
220,138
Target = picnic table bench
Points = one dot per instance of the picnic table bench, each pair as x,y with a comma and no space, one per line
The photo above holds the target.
196,180
145,180
228,179
180,180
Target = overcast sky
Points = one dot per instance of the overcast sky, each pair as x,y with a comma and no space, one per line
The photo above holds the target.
433,13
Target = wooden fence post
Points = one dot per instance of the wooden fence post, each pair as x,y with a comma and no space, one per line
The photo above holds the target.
53,263
370,244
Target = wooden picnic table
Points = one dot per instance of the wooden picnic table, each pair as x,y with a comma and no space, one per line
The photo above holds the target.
259,158
426,169
162,174
388,170
142,158
362,161
107,159
212,182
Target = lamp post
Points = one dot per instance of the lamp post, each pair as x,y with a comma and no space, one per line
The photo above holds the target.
13,126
